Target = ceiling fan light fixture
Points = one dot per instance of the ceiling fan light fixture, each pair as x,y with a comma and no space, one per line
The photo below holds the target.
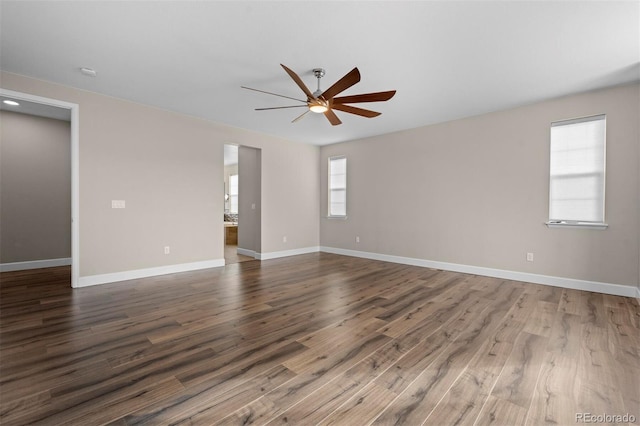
318,108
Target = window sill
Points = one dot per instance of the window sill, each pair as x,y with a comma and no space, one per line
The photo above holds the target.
586,225
337,217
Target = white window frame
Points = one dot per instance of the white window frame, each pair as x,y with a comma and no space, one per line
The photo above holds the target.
558,222
330,190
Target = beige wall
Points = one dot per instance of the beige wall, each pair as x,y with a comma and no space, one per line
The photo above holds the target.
475,192
472,191
168,168
35,188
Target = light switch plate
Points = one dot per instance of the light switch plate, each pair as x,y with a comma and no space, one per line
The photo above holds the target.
117,204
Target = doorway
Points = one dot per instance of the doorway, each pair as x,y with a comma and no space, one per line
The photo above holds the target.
36,105
232,206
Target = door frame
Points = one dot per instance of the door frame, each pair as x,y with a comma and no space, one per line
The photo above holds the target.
75,171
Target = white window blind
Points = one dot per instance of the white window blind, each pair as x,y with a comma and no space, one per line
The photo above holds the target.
233,194
577,170
337,186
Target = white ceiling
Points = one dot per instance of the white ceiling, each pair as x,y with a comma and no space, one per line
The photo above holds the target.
447,60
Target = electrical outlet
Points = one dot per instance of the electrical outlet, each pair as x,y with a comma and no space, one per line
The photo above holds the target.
167,249
284,239
357,239
529,257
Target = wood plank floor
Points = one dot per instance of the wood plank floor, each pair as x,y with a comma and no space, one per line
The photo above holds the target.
313,339
231,255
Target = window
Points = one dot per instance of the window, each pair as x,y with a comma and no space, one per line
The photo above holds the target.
577,172
233,194
337,187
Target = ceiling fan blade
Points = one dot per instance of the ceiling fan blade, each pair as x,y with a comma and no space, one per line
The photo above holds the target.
332,117
351,78
299,82
355,110
300,116
281,107
365,97
274,94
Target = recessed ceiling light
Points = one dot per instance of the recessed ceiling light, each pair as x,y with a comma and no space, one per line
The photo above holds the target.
10,102
88,71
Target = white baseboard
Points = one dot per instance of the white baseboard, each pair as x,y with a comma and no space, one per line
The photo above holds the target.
286,253
250,253
598,287
278,254
34,264
148,272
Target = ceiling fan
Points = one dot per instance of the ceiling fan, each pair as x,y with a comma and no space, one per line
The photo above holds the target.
325,101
